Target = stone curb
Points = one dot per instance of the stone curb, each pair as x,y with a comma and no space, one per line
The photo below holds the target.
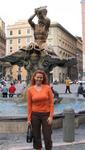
56,146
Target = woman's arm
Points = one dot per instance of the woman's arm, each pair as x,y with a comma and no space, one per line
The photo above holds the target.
51,97
29,106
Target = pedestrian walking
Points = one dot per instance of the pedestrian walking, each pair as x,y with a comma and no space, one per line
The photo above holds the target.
67,82
40,110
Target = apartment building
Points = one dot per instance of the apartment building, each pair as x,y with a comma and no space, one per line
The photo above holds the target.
83,32
66,46
59,39
2,38
18,35
2,45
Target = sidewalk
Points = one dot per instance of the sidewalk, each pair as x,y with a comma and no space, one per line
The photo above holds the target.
18,141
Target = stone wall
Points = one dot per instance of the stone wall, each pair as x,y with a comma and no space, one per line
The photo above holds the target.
19,125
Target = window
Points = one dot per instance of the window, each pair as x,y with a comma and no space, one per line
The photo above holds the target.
28,39
28,31
60,52
19,47
50,40
19,31
11,41
11,49
66,54
11,32
19,40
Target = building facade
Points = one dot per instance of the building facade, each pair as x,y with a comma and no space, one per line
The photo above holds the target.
2,38
79,57
2,46
59,39
18,35
83,32
66,46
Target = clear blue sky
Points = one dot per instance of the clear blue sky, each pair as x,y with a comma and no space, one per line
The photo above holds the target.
65,12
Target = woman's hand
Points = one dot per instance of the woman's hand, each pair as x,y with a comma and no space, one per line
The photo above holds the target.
29,123
49,120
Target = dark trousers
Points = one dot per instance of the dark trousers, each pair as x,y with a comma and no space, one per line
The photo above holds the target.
4,94
11,95
68,89
40,120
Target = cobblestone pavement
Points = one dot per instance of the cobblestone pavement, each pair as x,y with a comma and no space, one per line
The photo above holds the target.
18,141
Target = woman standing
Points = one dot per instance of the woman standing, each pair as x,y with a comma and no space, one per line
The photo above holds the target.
40,109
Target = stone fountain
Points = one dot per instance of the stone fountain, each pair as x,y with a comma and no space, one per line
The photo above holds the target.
37,55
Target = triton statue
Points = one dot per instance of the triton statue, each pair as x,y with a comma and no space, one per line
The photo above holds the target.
42,28
37,55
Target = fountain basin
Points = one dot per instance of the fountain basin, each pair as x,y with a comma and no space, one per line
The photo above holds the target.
13,114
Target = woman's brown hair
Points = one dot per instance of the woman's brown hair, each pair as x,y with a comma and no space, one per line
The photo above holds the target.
45,79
